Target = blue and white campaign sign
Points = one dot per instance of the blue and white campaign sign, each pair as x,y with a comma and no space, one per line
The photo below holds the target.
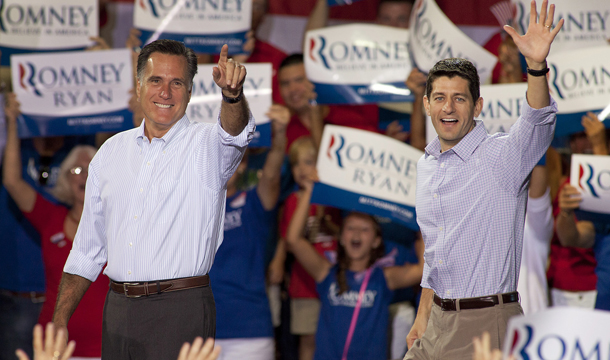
43,26
579,81
203,25
367,172
590,174
206,99
73,93
559,333
586,22
502,106
358,63
434,37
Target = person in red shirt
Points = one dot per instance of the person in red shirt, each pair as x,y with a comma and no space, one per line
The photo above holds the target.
57,226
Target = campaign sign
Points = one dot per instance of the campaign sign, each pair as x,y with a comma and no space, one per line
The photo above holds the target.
28,26
579,81
586,22
590,174
358,63
559,333
434,37
202,25
206,99
502,106
364,171
73,93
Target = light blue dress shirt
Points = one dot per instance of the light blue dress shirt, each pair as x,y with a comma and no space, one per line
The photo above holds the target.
155,210
471,205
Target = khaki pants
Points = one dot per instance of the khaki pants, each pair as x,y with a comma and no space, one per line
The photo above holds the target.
449,333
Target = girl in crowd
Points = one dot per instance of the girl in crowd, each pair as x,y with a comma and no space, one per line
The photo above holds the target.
57,226
356,292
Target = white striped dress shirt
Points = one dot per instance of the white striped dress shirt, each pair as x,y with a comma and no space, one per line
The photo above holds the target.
155,210
471,205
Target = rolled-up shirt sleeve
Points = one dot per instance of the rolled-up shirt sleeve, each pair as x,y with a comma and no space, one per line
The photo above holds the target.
89,254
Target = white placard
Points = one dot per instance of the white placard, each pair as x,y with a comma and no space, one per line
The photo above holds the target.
365,171
559,333
586,22
358,63
590,174
202,25
43,25
80,89
580,80
206,98
434,37
502,106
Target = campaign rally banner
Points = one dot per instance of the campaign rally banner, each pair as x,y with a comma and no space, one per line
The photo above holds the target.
73,93
358,64
28,26
590,174
203,25
367,172
579,81
206,99
434,37
559,333
586,22
502,106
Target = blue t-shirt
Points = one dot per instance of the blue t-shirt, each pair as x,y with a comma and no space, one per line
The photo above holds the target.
602,270
369,341
238,273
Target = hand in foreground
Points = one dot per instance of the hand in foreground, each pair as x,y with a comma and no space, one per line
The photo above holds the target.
416,332
279,116
229,75
569,198
199,350
51,348
536,42
482,349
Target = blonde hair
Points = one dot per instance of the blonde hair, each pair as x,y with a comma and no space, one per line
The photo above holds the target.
62,191
300,146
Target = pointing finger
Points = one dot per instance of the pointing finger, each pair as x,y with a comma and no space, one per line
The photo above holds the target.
224,53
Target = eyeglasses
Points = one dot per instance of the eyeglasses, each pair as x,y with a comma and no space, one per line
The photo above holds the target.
77,170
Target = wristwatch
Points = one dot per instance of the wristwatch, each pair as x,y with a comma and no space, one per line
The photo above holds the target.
233,100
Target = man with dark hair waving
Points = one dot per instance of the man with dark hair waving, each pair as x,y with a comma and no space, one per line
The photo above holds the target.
471,197
154,210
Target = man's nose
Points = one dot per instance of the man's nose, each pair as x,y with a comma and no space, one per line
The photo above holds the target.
448,106
165,92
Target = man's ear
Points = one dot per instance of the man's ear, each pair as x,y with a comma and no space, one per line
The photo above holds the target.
426,104
478,107
138,88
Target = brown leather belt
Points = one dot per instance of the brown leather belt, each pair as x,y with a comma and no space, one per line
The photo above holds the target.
135,290
36,297
475,303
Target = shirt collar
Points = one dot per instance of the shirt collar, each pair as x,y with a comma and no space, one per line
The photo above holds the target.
175,129
465,147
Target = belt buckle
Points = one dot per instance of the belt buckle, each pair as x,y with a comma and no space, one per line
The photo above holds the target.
127,292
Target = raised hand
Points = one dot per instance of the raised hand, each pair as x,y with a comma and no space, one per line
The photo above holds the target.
11,107
569,198
199,350
51,347
229,75
279,116
536,42
595,129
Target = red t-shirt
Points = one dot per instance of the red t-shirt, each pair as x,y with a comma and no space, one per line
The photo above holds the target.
364,117
85,325
302,285
571,269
